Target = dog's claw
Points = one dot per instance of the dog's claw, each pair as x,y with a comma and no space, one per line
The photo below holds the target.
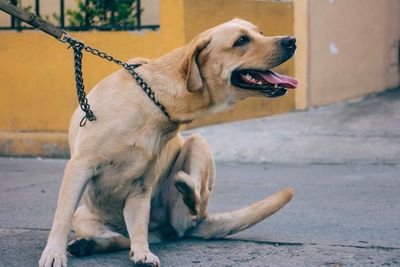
53,258
144,259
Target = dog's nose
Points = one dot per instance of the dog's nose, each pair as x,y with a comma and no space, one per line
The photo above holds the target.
288,43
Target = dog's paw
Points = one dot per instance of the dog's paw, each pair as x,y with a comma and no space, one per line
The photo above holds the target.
81,247
144,258
53,257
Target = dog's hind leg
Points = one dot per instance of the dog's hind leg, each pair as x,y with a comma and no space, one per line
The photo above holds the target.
193,176
94,236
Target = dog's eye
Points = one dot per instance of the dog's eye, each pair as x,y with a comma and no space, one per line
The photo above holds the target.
243,40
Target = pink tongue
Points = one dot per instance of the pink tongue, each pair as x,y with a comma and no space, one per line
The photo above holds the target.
276,78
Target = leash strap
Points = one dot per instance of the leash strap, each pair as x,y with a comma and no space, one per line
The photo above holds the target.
78,46
31,19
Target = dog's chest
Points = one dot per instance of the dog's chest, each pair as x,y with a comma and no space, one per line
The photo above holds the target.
137,167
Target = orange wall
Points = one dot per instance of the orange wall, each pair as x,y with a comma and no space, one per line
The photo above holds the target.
37,80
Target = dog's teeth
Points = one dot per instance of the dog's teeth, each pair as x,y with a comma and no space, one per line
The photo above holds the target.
250,78
276,86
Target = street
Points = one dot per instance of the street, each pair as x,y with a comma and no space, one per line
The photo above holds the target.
345,211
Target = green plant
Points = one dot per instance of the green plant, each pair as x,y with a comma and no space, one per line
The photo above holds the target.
100,13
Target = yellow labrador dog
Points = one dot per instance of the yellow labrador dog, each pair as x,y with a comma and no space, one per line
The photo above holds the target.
139,179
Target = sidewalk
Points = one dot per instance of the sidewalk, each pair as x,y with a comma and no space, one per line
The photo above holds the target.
366,131
343,161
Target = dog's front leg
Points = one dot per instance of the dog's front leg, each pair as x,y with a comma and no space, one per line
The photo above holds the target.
76,175
136,215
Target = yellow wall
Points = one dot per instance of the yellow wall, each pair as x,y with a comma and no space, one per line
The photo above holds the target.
36,74
36,71
37,95
37,89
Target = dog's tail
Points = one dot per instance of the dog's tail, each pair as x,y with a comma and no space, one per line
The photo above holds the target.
219,225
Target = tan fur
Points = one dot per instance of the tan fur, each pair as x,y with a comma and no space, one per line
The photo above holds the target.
138,177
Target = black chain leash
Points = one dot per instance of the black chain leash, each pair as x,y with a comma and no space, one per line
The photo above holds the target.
80,87
78,46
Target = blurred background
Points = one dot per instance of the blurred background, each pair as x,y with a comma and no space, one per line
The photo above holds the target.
346,49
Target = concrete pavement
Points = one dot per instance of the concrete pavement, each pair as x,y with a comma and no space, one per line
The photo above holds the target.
342,160
364,131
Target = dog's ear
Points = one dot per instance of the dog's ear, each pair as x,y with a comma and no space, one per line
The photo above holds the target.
190,66
184,184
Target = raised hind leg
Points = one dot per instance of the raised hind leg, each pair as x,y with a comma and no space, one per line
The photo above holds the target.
193,176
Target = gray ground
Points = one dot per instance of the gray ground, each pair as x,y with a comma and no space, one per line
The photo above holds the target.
342,160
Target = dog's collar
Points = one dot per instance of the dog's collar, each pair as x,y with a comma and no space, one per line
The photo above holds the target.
146,88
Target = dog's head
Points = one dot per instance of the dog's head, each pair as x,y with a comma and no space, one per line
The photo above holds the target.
234,60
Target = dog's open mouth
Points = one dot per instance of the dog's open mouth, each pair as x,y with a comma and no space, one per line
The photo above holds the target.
270,83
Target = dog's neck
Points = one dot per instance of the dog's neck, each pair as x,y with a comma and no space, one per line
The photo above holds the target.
170,88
